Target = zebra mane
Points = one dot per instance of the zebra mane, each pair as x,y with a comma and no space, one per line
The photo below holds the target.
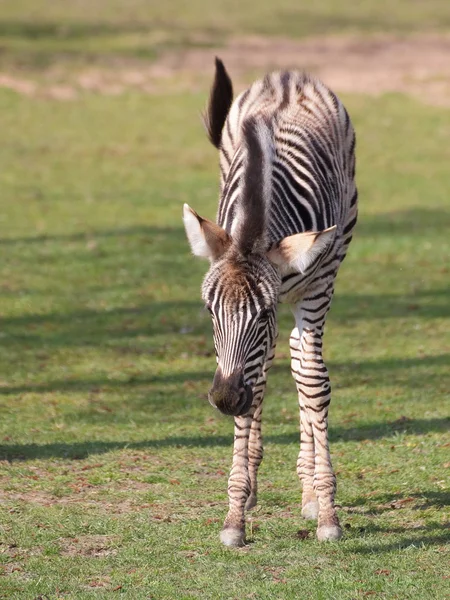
250,231
220,100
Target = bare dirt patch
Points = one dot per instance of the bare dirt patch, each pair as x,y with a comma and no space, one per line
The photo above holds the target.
104,498
418,65
14,552
97,546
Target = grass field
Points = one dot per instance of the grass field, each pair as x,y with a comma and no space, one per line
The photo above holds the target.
113,466
35,33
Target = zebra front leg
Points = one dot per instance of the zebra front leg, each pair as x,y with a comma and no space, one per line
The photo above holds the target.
315,396
255,456
305,461
239,485
255,445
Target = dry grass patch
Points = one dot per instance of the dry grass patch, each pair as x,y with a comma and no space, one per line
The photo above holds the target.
95,546
105,498
418,65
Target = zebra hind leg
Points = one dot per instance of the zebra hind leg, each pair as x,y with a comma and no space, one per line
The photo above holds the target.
305,461
305,469
314,396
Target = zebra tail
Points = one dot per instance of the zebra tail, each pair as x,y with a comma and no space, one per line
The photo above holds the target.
220,100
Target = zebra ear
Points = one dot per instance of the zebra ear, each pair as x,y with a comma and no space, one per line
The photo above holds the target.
205,237
298,251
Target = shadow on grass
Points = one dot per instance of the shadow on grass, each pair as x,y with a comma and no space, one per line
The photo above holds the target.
100,383
414,221
374,431
40,43
81,450
91,327
421,541
306,16
37,30
391,501
81,236
424,304
407,372
432,533
418,221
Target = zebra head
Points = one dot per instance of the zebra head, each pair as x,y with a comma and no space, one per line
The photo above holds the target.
241,295
241,292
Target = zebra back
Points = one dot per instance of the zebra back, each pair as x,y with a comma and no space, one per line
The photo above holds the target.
310,152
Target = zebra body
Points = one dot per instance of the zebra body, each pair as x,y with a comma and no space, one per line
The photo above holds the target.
288,205
313,168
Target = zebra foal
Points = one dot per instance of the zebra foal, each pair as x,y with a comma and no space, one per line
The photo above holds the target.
288,205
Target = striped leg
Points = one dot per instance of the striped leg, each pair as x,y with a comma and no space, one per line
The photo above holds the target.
255,445
255,456
314,389
247,456
239,485
305,461
242,483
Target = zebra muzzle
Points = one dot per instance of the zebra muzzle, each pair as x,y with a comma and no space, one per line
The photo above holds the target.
230,395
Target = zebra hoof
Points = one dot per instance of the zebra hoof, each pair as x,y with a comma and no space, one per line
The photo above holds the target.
329,533
251,502
233,538
310,511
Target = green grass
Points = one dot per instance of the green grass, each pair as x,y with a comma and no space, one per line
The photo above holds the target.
114,465
37,33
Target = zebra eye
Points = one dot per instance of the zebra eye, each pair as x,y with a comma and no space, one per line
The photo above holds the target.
264,315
